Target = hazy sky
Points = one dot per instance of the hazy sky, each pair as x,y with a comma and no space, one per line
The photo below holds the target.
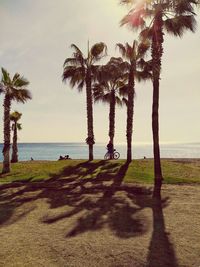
35,40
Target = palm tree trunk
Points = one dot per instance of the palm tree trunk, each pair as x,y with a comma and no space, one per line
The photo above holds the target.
14,145
157,51
90,138
6,147
130,106
112,118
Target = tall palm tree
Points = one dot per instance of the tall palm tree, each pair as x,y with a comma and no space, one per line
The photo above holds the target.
137,68
15,117
81,70
154,17
14,90
108,89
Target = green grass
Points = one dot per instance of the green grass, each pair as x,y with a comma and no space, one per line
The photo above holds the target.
174,172
139,171
34,170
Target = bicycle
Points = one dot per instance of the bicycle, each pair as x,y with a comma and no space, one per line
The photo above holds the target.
114,155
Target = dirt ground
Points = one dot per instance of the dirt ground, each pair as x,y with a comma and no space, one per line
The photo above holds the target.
83,223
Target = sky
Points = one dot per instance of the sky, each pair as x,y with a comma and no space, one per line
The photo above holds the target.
35,39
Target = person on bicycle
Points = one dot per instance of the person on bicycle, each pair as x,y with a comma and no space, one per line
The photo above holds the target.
110,148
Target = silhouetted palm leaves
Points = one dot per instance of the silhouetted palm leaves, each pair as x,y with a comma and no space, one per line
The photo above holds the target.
136,69
15,117
14,89
153,17
110,89
81,71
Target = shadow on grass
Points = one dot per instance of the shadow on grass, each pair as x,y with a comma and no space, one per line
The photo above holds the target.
95,195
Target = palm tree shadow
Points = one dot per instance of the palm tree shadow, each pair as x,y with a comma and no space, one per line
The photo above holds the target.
112,211
95,204
161,252
117,181
98,170
103,207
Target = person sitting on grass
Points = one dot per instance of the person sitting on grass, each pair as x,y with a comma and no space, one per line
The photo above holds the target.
61,158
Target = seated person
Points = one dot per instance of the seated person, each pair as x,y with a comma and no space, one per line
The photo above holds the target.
67,157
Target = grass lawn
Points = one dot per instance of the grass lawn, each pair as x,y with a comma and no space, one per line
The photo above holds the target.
139,171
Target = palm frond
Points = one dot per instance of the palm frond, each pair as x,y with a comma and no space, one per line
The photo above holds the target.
123,90
177,25
15,77
5,77
95,71
19,126
74,74
72,61
142,48
15,116
185,6
20,95
125,101
119,101
122,49
134,19
76,49
98,51
19,81
146,34
142,76
81,85
77,78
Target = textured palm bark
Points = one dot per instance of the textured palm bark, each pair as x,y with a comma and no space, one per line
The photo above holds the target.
14,145
130,107
157,51
6,147
112,117
90,138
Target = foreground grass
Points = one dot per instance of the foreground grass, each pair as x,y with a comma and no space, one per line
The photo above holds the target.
139,171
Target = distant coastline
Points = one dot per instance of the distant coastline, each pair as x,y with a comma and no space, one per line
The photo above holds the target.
79,150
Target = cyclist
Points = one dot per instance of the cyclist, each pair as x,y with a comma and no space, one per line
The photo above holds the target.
110,148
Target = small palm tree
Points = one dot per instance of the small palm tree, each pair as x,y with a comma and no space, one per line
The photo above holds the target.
15,117
137,69
82,71
14,90
154,17
109,90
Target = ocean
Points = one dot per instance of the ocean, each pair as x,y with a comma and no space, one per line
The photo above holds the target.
52,151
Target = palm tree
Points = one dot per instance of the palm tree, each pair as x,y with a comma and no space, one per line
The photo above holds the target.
171,16
137,68
14,90
15,117
108,89
82,71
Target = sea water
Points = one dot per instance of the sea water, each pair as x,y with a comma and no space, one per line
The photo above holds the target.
52,151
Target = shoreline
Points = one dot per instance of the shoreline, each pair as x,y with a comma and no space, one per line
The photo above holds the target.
98,159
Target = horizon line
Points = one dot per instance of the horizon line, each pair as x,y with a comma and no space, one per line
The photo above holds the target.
101,142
